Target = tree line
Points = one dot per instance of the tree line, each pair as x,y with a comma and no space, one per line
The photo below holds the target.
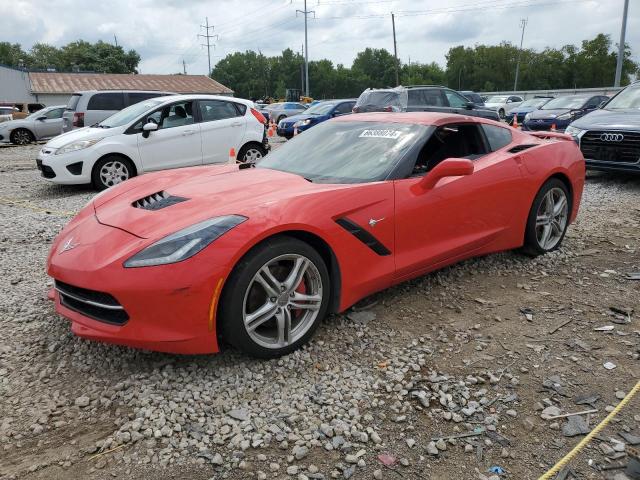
79,56
479,68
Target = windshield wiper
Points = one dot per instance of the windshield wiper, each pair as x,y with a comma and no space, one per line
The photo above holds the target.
308,179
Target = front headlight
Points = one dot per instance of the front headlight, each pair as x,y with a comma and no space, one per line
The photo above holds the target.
573,131
184,243
565,116
527,117
79,145
302,123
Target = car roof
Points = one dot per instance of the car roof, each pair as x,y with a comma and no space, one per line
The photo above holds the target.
416,118
194,96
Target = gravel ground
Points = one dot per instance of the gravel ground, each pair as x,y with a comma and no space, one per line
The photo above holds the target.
443,377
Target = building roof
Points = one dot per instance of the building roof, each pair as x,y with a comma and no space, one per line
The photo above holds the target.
67,83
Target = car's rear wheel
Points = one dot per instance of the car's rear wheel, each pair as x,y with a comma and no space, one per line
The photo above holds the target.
280,118
548,219
110,171
21,136
501,113
275,298
251,153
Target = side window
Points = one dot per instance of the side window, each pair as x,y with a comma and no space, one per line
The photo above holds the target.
135,97
288,106
55,113
241,108
498,137
106,101
415,98
449,141
434,98
212,110
176,115
455,100
593,102
344,108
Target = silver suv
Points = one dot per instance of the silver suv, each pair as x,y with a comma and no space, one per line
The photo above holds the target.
92,106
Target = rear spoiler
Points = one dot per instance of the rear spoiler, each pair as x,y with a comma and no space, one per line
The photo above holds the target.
551,135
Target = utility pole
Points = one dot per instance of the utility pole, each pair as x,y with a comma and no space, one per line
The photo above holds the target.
523,25
302,72
395,48
616,83
306,46
184,67
115,39
208,37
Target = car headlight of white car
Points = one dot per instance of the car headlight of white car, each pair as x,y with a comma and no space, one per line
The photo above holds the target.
78,145
565,116
527,117
302,123
573,131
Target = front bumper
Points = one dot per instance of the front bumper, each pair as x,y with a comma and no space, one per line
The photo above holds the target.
68,169
546,124
168,308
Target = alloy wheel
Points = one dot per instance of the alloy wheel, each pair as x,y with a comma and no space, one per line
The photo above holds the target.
22,137
282,301
551,218
113,172
252,155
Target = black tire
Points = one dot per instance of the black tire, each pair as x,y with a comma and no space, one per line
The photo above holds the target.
98,180
22,136
532,244
501,114
232,302
251,149
281,117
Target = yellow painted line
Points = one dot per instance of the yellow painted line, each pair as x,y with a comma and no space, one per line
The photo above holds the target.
212,307
28,205
569,456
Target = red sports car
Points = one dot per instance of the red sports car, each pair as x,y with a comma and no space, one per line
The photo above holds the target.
258,255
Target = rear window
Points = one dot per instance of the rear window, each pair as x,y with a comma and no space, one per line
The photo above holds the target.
106,101
135,97
498,137
376,99
73,101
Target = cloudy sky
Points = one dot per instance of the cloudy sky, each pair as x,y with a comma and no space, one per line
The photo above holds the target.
164,32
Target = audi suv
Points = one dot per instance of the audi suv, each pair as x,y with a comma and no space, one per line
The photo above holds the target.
610,136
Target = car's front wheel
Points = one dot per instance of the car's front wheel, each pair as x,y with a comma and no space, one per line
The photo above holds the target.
21,136
251,153
110,171
275,298
548,219
501,114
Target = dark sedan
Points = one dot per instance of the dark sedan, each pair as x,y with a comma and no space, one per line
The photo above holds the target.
610,137
561,112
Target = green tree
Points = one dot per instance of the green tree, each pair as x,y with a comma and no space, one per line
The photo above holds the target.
378,65
11,54
43,56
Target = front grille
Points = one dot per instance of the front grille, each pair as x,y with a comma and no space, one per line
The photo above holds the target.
157,201
97,305
625,151
47,172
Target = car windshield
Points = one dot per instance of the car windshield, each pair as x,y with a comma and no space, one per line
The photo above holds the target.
497,99
382,98
345,152
129,114
534,102
564,102
628,98
320,108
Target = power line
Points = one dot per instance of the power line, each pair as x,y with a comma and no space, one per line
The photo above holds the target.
306,46
208,37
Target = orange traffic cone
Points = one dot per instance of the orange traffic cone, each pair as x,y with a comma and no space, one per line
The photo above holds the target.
515,121
232,155
270,130
553,127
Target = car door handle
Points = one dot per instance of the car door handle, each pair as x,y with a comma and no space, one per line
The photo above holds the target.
188,132
236,124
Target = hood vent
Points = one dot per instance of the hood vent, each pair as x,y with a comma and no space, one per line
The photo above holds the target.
157,201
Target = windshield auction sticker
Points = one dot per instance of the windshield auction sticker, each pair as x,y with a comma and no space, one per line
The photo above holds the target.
380,134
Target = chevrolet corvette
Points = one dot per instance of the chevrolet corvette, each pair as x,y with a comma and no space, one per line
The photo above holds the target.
256,255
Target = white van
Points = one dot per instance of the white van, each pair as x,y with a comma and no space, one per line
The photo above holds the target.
92,106
156,134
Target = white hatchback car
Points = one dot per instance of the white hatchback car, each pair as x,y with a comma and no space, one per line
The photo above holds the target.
156,134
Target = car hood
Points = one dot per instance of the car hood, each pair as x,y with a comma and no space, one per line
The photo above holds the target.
604,119
208,192
546,114
11,124
304,116
86,133
523,110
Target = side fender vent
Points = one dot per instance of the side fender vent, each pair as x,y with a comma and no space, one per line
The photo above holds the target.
364,236
519,148
158,201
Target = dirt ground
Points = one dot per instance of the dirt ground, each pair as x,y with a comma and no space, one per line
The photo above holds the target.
518,332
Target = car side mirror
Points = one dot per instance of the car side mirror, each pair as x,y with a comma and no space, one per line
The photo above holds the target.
450,167
148,128
469,105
